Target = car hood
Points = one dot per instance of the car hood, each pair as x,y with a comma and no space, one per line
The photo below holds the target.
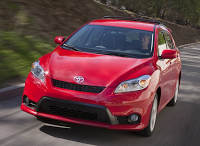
96,69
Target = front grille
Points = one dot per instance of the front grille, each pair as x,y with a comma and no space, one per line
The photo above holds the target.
78,87
72,109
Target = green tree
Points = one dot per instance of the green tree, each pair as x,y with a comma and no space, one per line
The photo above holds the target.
187,12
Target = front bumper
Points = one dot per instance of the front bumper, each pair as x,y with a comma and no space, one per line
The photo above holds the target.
117,107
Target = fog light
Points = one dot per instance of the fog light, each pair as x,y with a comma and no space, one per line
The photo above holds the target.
26,101
134,118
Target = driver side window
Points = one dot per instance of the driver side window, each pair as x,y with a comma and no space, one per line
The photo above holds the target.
161,43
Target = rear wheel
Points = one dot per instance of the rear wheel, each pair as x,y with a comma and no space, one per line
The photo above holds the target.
152,120
174,99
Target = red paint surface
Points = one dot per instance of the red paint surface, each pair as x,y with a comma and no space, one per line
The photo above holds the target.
124,23
107,71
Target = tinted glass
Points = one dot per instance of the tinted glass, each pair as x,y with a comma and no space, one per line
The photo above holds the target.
161,43
110,40
169,41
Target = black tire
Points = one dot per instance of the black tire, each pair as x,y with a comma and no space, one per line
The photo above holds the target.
150,128
174,99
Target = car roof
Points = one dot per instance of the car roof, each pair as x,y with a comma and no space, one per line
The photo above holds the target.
124,23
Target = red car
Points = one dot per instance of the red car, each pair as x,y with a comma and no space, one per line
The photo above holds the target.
115,72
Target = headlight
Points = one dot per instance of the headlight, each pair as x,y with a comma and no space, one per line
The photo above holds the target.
134,84
37,70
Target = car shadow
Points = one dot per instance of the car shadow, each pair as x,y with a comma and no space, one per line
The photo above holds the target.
177,125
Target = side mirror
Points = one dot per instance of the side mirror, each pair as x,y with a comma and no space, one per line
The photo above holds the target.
169,54
59,39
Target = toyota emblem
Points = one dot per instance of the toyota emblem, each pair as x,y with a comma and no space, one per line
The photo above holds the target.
78,79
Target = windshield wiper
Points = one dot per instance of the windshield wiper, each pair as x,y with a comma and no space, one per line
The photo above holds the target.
71,47
116,54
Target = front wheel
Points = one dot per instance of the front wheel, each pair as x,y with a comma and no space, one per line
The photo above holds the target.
152,120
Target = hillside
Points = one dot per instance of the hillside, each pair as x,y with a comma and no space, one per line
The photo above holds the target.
28,29
185,12
48,18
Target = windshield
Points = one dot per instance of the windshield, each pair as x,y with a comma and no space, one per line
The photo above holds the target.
116,41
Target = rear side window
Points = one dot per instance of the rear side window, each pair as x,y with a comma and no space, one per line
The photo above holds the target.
161,43
169,41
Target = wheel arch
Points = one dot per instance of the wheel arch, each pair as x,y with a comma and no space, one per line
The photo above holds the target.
159,95
179,78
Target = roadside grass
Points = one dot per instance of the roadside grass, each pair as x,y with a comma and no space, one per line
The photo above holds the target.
17,52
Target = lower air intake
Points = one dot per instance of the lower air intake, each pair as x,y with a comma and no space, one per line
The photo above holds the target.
73,109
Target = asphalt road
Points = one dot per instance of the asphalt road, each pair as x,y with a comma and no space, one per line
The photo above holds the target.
176,126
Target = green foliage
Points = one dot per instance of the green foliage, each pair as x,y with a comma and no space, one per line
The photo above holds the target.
161,39
17,52
187,12
13,6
